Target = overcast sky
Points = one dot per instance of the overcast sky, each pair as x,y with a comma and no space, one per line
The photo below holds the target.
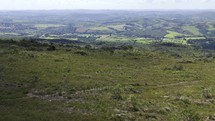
105,4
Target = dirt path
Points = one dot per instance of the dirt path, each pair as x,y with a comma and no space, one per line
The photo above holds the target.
83,93
176,84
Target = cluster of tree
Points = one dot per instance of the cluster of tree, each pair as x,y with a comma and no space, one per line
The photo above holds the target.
99,32
211,33
149,33
62,41
28,44
204,30
208,43
31,43
58,30
113,48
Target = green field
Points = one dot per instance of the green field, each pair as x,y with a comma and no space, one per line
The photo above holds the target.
211,27
8,33
113,38
172,34
42,26
192,29
117,27
100,28
143,41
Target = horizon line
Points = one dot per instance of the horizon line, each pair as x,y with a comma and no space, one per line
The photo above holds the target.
201,9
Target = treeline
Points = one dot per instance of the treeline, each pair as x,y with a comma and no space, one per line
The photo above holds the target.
58,30
53,44
24,42
208,43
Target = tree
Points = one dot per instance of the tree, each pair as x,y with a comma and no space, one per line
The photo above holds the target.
51,47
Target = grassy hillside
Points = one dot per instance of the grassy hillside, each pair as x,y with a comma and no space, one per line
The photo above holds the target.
159,81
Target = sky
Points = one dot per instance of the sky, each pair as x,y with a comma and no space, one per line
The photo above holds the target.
105,4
